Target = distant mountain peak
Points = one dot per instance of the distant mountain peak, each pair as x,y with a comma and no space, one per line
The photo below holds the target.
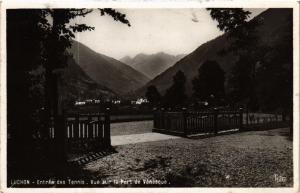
126,58
161,53
151,64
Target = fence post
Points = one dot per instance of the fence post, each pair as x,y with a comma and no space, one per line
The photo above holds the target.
89,126
216,121
247,116
162,119
185,128
155,114
65,124
107,141
76,127
99,132
241,119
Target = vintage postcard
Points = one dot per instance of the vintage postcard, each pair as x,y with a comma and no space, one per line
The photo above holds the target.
149,96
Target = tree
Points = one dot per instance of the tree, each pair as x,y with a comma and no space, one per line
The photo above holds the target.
234,22
275,73
241,82
209,82
244,42
153,95
175,96
37,41
262,76
25,31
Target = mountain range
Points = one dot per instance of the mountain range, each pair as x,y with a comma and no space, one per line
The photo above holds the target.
151,65
92,74
79,86
271,32
105,71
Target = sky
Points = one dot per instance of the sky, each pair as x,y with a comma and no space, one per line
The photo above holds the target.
173,31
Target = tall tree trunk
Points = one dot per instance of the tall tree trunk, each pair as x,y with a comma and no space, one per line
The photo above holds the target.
53,106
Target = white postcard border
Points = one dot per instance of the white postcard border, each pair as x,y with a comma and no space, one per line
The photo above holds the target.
148,4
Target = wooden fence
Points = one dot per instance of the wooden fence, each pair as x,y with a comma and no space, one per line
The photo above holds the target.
84,132
187,123
259,121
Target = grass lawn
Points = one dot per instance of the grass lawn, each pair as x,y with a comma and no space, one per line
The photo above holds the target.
247,159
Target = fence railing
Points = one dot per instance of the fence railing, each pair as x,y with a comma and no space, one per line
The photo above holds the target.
213,122
258,121
83,132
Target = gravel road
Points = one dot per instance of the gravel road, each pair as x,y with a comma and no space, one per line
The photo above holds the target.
247,159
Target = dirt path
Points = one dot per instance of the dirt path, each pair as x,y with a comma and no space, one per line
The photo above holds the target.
248,159
139,138
128,128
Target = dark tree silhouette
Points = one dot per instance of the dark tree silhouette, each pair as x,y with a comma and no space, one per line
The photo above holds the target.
276,73
262,76
243,41
175,96
241,81
25,30
209,83
153,95
234,21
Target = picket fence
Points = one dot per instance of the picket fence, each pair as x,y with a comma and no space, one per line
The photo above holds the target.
186,123
83,132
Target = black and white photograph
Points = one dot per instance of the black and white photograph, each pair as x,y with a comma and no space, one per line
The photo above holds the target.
127,97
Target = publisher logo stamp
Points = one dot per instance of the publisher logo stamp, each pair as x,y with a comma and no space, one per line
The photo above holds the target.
279,179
